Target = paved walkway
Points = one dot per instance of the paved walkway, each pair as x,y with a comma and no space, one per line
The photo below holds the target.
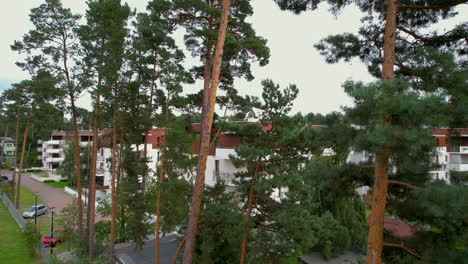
53,197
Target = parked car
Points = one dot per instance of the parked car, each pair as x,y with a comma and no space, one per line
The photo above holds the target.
12,168
55,237
31,212
3,178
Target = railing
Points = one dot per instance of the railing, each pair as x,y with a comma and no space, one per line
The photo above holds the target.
464,149
52,150
39,149
14,212
227,177
54,159
458,167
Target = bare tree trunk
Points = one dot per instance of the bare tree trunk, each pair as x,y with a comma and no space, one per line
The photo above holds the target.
71,93
92,184
23,149
205,138
114,188
379,195
119,170
4,141
248,214
150,109
161,179
16,151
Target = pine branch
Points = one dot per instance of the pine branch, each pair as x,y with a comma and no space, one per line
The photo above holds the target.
407,185
432,7
409,250
266,228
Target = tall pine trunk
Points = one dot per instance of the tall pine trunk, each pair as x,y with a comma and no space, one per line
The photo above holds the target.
23,149
114,188
16,150
207,121
161,179
379,195
248,214
71,93
4,141
92,183
150,109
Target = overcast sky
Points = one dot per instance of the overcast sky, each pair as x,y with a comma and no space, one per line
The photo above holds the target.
290,37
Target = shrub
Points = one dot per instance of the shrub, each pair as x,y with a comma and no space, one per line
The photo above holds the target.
48,181
32,238
64,180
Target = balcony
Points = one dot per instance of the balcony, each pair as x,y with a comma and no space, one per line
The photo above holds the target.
54,159
39,149
227,177
100,172
52,150
56,142
39,157
464,149
441,149
458,167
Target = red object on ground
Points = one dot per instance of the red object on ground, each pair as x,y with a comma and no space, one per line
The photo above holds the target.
58,237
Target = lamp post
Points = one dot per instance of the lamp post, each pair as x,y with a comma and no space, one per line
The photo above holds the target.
35,214
52,229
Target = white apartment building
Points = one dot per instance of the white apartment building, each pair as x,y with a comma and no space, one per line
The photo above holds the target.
451,153
52,150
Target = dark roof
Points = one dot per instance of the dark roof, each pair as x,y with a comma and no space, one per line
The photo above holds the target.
7,139
125,253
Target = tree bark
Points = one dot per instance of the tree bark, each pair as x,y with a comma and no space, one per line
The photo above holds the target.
4,141
248,214
71,93
114,189
205,138
92,183
23,149
150,109
161,179
16,150
379,195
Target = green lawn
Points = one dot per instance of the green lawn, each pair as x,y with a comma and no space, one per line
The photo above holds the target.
58,184
13,249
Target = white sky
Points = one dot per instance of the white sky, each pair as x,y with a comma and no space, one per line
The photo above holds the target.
290,37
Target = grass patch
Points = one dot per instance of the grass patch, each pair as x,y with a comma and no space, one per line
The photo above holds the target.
13,245
55,184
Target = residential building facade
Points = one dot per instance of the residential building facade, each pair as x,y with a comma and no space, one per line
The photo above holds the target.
451,153
8,146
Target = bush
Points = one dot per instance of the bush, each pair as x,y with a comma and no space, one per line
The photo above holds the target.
64,180
34,170
32,238
48,181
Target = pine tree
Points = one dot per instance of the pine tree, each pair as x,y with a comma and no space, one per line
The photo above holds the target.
102,40
408,18
53,35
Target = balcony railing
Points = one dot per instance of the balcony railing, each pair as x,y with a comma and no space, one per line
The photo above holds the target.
458,167
464,149
54,159
227,177
52,150
39,149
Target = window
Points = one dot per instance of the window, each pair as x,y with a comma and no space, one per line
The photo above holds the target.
446,158
217,166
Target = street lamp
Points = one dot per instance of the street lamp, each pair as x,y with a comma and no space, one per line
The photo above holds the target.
35,214
52,229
